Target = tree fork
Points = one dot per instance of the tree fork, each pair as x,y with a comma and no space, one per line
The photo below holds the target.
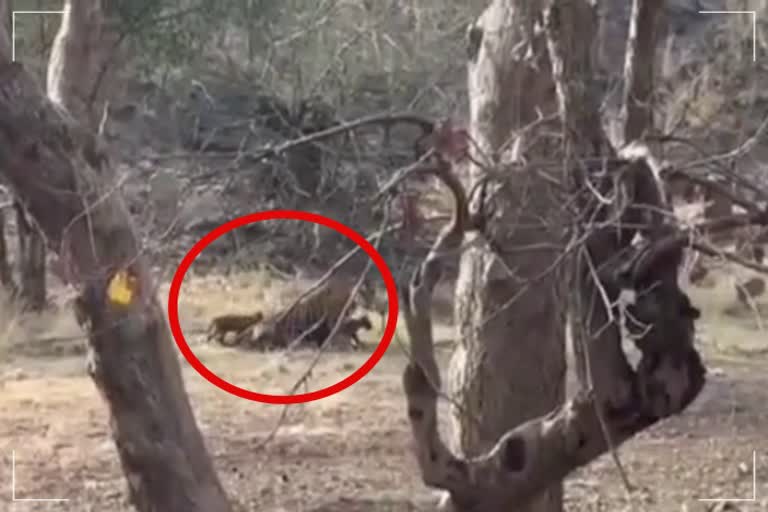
529,458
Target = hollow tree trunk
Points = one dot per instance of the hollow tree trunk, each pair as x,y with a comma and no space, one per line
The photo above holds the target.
31,262
132,358
510,368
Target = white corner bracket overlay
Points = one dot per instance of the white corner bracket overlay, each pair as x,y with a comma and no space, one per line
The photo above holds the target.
13,27
754,27
13,486
754,487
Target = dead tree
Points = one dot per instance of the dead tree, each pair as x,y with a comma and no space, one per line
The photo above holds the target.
56,169
522,466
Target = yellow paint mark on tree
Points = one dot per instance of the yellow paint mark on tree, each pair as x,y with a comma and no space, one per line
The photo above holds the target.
122,288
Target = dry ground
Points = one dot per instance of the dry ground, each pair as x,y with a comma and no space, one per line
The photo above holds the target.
350,452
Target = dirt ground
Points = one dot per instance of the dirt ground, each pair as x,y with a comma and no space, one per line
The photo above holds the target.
350,452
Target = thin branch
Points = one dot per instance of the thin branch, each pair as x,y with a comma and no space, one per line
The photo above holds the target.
733,258
269,152
713,186
735,153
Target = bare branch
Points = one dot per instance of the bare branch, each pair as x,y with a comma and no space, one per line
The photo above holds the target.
711,185
735,153
425,124
734,258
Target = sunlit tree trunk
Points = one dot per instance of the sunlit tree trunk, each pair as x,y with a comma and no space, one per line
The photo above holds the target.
509,365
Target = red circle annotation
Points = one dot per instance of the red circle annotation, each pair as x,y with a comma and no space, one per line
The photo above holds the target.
365,245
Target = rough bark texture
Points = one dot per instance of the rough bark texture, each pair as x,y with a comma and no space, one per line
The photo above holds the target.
55,168
639,68
526,461
6,272
498,378
5,31
31,262
6,275
83,61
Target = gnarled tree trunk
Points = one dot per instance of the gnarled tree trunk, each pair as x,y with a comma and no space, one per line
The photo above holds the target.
606,198
509,363
57,169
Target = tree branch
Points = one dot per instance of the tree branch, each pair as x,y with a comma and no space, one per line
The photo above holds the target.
424,123
527,459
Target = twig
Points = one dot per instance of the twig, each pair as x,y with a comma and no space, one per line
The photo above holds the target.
585,345
404,173
306,375
735,153
711,251
268,152
713,186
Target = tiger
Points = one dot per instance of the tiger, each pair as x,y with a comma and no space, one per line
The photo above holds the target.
221,325
313,318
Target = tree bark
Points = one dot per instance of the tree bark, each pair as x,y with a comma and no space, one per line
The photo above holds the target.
56,168
519,468
5,28
6,274
84,61
497,387
31,262
639,68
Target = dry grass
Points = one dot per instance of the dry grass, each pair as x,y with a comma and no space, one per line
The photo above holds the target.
350,452
726,324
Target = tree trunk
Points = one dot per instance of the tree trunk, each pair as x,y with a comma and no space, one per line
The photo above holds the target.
639,69
6,274
5,27
85,57
31,262
132,357
509,365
